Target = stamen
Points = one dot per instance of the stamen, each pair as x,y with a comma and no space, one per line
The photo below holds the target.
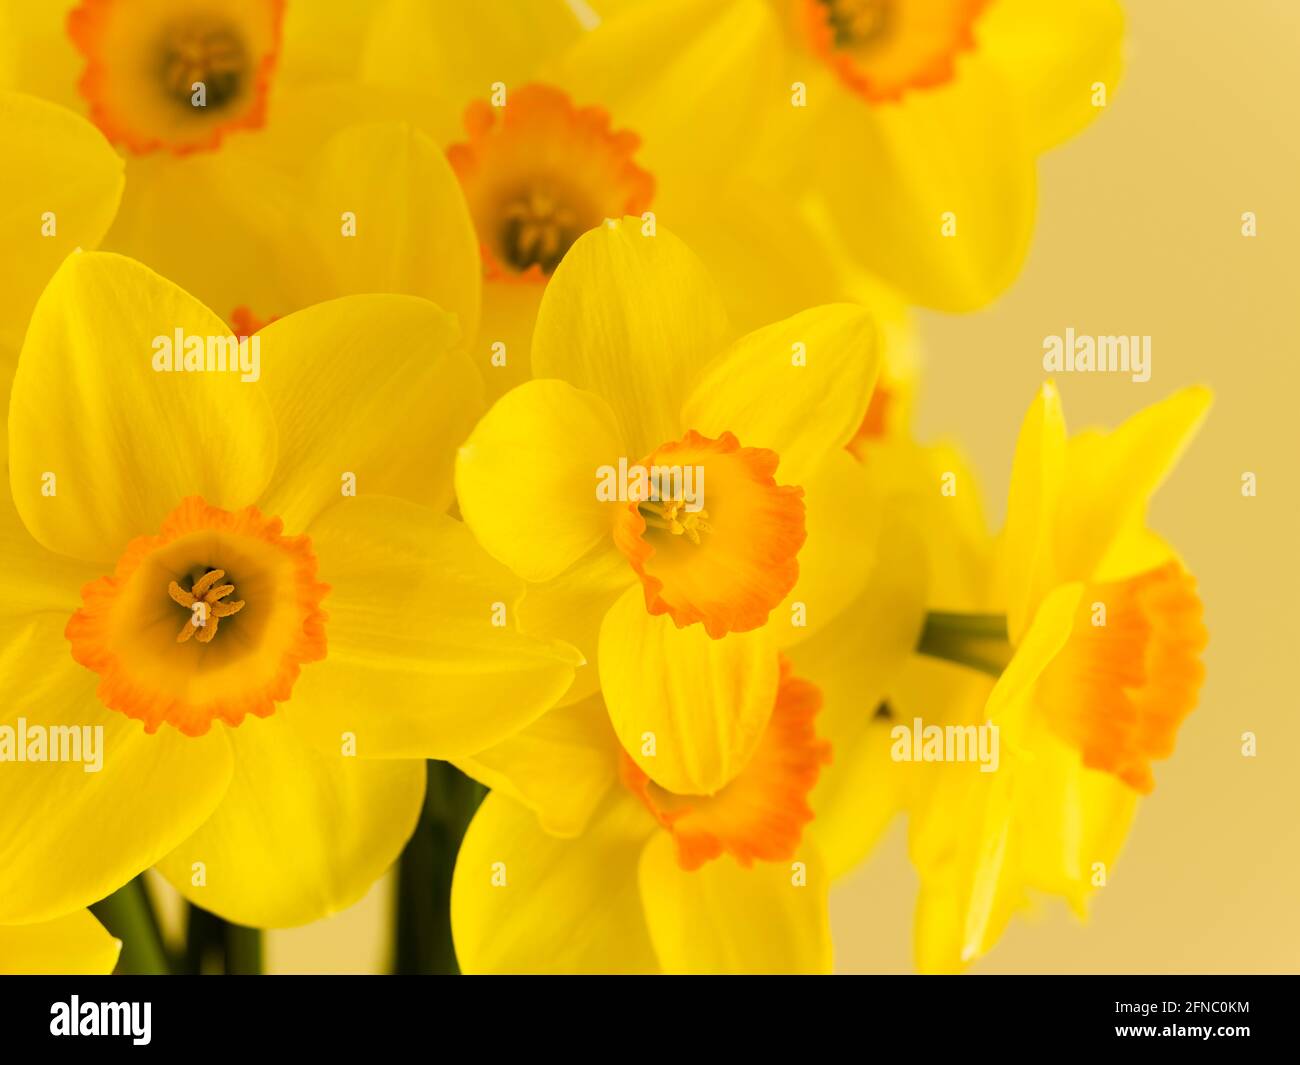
539,227
212,54
204,601
857,21
672,518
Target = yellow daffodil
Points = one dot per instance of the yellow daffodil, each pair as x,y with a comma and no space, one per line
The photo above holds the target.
915,123
1097,664
255,178
242,587
509,93
577,862
672,595
74,945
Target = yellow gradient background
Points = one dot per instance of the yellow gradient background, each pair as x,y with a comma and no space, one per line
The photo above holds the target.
1138,232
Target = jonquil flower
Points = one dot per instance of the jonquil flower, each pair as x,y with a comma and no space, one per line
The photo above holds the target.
577,862
1097,663
916,123
633,366
238,137
245,758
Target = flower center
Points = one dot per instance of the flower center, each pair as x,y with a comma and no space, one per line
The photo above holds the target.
209,52
883,48
126,627
538,229
675,518
204,602
177,76
537,173
856,21
726,565
761,813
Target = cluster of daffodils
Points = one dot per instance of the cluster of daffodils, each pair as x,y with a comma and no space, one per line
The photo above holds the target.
577,456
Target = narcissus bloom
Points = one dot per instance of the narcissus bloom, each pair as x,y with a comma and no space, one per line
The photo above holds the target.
673,594
239,138
242,749
916,123
578,862
73,945
1101,644
545,151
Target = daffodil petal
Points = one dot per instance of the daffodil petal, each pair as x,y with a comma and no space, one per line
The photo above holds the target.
843,516
73,945
143,439
572,606
1055,55
690,710
634,319
854,663
523,901
526,478
349,427
69,836
1112,476
392,219
768,263
1036,474
414,43
254,247
822,363
425,656
60,188
692,77
503,351
300,834
722,919
560,767
37,56
935,193
35,579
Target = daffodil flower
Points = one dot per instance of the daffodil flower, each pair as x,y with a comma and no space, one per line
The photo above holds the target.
546,151
634,364
258,176
578,862
915,123
270,770
72,945
1095,646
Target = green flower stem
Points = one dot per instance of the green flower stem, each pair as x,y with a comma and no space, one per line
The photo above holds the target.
243,950
977,641
422,937
128,915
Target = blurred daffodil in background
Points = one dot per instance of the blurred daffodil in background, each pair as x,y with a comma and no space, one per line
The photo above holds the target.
914,124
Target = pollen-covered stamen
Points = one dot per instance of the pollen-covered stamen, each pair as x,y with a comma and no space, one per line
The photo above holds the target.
204,602
673,517
856,21
539,227
210,53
